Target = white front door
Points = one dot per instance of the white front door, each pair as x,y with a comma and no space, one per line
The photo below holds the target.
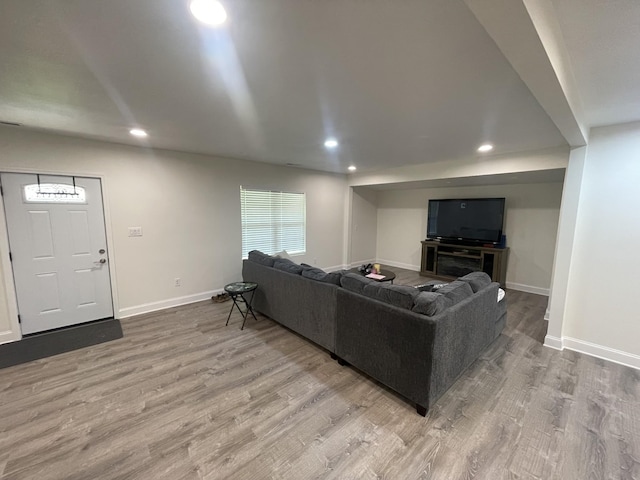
58,248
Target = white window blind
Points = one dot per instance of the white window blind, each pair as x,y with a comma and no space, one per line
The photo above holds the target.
273,221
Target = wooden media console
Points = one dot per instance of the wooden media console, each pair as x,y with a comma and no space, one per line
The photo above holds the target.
449,261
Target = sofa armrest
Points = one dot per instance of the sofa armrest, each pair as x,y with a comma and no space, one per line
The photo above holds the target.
463,331
391,344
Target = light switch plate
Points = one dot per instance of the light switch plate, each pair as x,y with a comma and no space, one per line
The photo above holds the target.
135,231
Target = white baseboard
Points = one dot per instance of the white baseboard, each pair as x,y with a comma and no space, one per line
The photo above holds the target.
553,342
521,287
335,268
9,336
361,262
593,350
172,302
599,351
407,266
198,297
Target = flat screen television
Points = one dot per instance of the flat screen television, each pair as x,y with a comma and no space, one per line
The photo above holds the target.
467,220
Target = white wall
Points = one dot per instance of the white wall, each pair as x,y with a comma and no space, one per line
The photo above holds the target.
364,225
402,224
601,313
188,207
531,221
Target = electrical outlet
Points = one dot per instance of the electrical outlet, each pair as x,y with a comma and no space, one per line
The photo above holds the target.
135,231
177,282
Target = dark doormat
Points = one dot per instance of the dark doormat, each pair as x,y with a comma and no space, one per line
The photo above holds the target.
46,344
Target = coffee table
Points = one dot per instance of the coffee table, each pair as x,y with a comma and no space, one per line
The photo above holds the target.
389,276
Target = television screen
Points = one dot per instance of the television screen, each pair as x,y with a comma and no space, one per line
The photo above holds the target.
475,220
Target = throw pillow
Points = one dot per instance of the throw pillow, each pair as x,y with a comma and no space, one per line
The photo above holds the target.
354,282
399,295
287,266
282,254
257,256
431,303
333,277
477,280
456,291
321,276
313,273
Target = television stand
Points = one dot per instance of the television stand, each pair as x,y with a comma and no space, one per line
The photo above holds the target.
449,261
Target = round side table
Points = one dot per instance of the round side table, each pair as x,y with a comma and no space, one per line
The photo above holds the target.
237,292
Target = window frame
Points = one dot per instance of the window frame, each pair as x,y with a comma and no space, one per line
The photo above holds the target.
274,212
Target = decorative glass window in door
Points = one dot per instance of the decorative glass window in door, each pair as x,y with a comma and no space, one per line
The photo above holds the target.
54,193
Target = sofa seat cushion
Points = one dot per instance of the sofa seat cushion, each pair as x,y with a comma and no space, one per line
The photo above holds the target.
476,280
322,276
287,266
257,256
431,303
399,295
355,282
456,291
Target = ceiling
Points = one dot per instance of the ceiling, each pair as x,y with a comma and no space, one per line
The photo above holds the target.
397,83
555,175
603,38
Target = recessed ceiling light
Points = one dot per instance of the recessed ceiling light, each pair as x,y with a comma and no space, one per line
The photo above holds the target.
209,12
352,168
487,147
331,143
138,132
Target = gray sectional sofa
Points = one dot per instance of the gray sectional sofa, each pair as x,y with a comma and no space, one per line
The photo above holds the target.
417,343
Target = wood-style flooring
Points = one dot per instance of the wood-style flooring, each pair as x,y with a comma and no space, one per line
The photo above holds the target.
181,396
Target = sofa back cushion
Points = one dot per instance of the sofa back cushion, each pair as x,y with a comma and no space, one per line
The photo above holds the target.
456,291
476,280
355,282
257,256
287,266
431,303
322,276
399,295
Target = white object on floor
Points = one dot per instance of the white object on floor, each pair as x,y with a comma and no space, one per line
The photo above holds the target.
501,294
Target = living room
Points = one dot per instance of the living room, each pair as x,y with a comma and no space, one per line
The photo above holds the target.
571,219
170,192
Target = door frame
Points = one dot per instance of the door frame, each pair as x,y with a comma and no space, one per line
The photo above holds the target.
15,333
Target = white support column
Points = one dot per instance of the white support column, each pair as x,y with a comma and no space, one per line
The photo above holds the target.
564,247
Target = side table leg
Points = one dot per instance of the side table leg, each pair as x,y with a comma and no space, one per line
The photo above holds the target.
250,305
249,309
246,312
233,297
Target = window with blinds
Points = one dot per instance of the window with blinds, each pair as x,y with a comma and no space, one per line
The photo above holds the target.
273,221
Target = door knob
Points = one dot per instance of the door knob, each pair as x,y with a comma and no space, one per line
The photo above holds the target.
102,260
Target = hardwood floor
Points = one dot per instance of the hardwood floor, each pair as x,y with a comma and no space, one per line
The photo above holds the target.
181,396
